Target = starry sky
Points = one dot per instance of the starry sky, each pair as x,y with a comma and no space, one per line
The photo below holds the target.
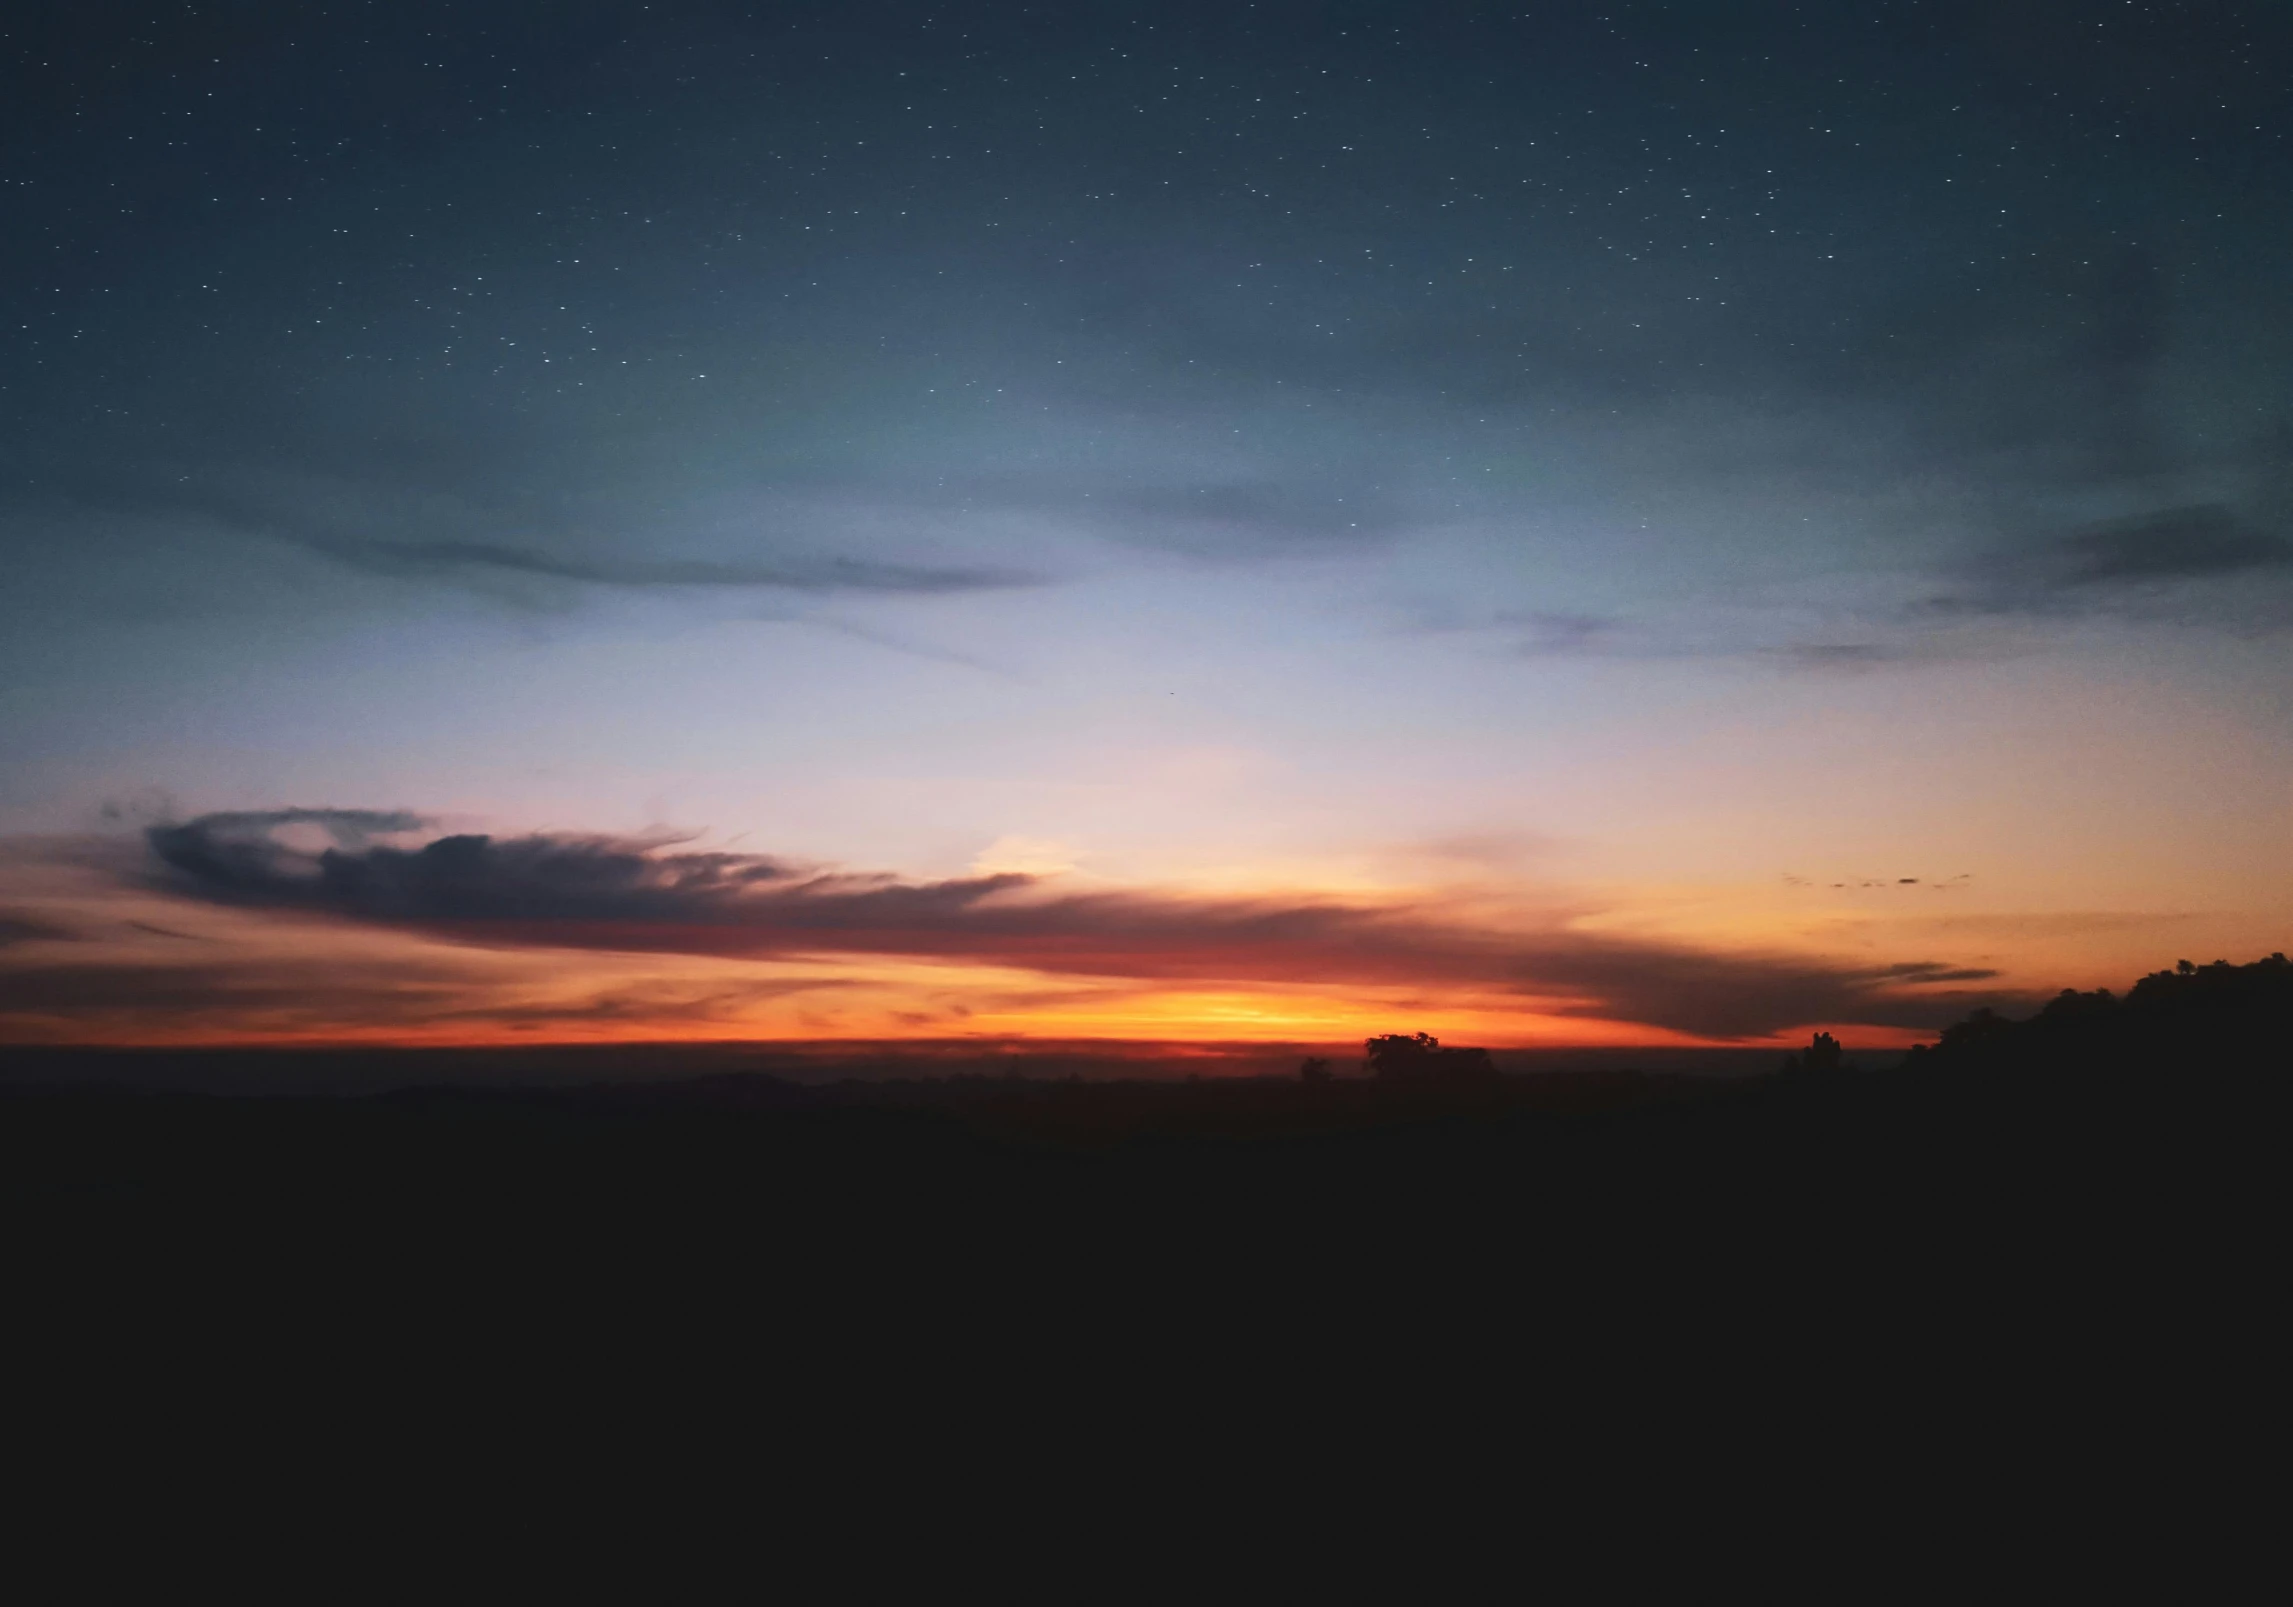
1640,524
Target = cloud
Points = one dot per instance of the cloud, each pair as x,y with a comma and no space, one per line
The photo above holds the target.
1927,971
1537,633
2044,410
1284,506
1548,635
649,1003
448,559
279,993
2175,544
18,928
2200,562
362,524
604,893
240,858
243,845
254,996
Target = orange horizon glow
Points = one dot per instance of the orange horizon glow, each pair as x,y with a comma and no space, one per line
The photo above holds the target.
209,975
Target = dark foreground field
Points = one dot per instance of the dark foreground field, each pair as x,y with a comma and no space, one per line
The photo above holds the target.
2043,1258
721,1189
2100,1121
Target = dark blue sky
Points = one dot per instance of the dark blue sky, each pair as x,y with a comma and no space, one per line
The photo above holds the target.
1238,277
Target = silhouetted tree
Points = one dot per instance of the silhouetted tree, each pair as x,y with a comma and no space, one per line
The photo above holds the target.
1822,1056
1419,1058
1400,1056
1314,1068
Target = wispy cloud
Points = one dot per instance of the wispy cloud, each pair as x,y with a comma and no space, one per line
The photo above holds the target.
409,533
254,996
1551,635
2173,544
424,559
18,928
2182,555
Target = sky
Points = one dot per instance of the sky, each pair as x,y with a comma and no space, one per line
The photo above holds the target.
1553,525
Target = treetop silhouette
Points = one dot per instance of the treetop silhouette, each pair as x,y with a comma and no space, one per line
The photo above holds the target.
1419,1058
1823,1056
2218,1016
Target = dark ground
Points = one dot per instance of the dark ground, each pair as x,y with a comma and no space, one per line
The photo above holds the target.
1873,1183
2043,1258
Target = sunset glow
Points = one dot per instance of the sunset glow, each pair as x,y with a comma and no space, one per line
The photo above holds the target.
1234,531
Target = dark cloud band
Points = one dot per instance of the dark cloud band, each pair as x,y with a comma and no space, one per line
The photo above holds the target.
636,896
